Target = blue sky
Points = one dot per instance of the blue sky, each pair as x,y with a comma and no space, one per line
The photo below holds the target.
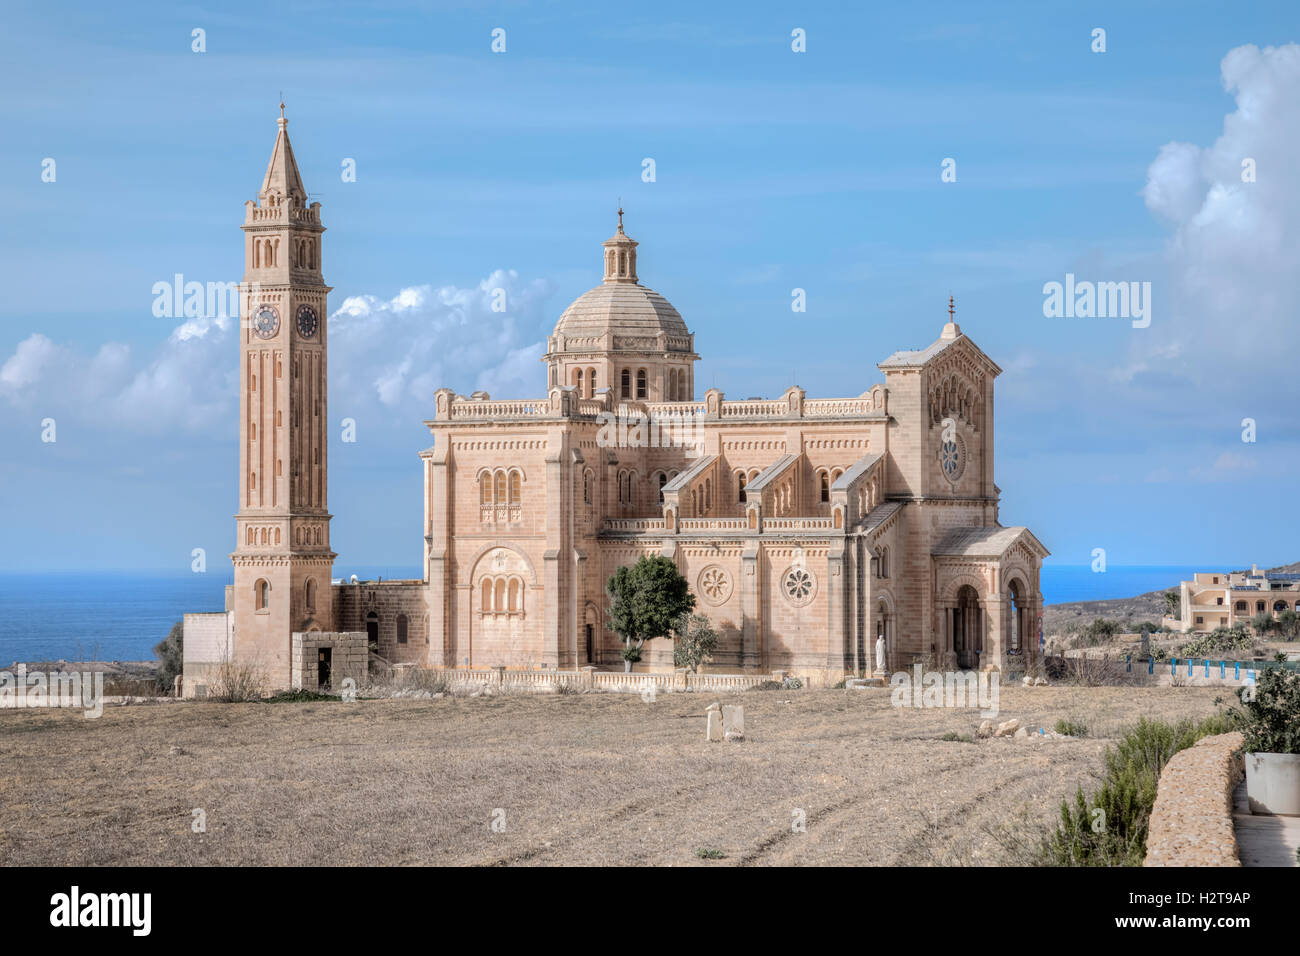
774,170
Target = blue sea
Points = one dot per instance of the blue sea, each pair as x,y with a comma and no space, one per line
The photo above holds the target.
121,615
113,615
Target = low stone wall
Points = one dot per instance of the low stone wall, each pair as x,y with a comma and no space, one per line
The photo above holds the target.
1191,822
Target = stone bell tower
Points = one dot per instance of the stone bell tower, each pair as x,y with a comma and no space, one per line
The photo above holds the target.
283,562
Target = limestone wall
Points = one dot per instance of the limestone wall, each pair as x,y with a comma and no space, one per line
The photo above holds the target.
1191,822
387,600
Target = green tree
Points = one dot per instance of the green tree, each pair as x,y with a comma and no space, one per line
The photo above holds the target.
1262,623
645,601
695,641
170,654
1173,603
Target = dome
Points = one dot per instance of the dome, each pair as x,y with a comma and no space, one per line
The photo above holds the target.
623,308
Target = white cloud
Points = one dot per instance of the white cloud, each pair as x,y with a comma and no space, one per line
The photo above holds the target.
393,352
1234,256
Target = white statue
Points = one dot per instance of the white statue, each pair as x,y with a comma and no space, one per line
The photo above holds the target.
880,653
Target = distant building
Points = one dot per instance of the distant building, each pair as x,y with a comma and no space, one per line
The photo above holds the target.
1213,599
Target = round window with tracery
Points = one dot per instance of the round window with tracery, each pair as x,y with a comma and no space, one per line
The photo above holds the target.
799,586
714,585
952,457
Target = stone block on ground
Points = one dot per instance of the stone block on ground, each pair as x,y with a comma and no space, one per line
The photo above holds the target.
713,727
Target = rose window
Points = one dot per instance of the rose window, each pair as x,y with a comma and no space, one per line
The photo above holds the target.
799,586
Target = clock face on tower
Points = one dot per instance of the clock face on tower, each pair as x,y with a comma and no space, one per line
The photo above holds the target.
306,321
266,321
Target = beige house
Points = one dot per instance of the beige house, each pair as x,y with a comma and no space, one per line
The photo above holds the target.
807,527
1214,599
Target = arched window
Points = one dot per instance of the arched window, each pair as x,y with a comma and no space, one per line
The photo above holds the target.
1259,607
591,383
310,595
500,597
826,486
882,565
672,385
1240,606
372,628
741,482
486,607
586,487
514,487
262,594
514,596
577,380
401,628
640,383
626,382
485,489
663,480
500,482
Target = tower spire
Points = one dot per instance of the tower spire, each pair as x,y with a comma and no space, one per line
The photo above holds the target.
282,176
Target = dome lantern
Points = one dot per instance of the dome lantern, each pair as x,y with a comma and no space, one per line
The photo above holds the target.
620,255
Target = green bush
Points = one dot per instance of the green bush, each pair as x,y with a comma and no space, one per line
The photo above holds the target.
170,651
1072,727
1220,641
1110,829
1270,713
953,737
709,853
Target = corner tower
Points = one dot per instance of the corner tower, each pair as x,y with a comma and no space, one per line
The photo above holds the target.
283,562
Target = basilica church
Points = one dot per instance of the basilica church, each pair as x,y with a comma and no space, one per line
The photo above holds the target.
806,527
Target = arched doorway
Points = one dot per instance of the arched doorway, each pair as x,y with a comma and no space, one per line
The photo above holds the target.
882,631
1016,618
967,627
372,631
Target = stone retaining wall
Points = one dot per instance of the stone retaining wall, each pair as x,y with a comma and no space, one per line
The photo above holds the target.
1191,822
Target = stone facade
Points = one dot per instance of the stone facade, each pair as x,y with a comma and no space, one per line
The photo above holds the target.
325,659
806,527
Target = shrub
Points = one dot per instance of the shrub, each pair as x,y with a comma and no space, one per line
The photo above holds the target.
1221,640
709,853
236,682
695,641
1072,727
1110,829
1270,713
171,656
953,737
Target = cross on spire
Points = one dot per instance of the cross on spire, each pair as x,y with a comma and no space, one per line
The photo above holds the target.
951,310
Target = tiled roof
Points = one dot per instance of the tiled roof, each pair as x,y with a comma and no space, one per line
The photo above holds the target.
977,542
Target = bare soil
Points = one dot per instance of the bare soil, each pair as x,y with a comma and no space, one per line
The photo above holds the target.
576,779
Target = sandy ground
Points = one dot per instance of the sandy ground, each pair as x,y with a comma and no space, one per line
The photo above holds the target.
574,779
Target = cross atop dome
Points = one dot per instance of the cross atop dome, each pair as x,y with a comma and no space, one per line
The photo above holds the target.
620,255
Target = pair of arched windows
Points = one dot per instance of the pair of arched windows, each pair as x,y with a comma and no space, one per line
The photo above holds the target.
585,382
627,487
625,383
502,594
825,478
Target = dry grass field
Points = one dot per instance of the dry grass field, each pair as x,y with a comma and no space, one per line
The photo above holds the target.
582,779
